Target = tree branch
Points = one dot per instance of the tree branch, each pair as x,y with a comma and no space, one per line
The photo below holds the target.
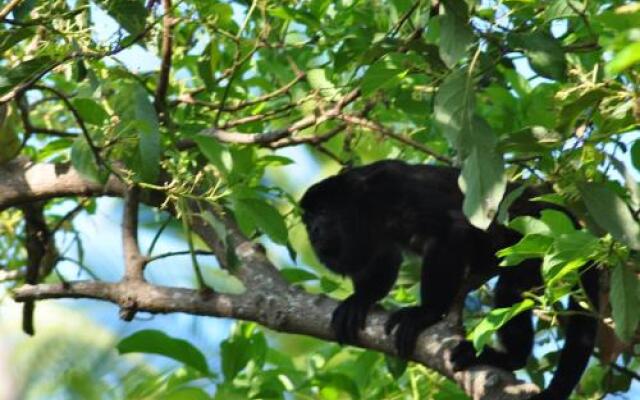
8,8
292,311
22,181
270,137
134,261
365,123
165,67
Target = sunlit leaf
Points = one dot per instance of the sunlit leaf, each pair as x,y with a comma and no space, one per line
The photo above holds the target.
157,342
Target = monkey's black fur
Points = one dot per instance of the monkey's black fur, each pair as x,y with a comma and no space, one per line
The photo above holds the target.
359,221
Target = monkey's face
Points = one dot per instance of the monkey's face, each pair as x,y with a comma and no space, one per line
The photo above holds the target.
324,235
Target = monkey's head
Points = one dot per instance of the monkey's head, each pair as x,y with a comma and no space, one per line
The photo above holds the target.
330,214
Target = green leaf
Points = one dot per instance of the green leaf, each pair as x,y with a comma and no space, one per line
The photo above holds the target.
558,222
396,366
222,233
84,161
545,53
186,393
318,80
528,225
379,76
90,111
509,199
22,11
571,111
10,143
625,292
533,139
243,346
454,107
10,38
562,9
635,154
619,19
611,213
130,14
455,33
625,58
25,71
492,322
213,151
530,246
223,282
263,216
136,112
297,275
568,253
156,342
482,178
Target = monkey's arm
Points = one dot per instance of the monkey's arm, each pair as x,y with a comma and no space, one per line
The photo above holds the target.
371,283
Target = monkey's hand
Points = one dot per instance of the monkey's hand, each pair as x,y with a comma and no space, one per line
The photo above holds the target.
410,321
463,356
349,318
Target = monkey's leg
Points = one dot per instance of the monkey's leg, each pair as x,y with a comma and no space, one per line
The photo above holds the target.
442,272
516,336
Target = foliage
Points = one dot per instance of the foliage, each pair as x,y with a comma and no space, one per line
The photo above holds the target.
544,92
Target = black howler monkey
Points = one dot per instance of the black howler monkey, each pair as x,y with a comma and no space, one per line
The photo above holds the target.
359,221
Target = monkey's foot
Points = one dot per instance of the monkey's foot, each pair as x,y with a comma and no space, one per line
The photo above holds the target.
349,318
409,322
463,356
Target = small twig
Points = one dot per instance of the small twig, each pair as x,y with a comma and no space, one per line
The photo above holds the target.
165,66
180,253
405,17
625,371
69,215
401,138
134,262
51,132
313,140
8,8
270,137
95,150
277,113
156,237
20,88
188,98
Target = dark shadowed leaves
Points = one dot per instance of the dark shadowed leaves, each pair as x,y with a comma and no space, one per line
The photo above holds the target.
625,292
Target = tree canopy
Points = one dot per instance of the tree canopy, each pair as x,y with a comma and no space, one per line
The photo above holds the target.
209,118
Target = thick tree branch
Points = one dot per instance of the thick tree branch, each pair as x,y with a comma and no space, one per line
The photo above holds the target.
292,311
268,300
22,181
